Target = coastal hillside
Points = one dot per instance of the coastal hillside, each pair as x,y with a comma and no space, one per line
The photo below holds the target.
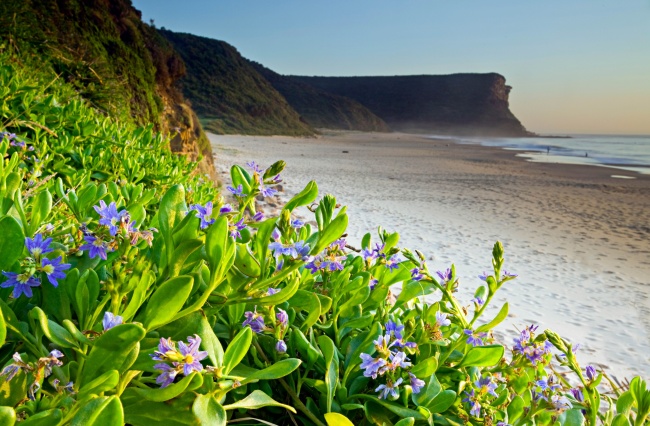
104,51
228,94
468,104
322,109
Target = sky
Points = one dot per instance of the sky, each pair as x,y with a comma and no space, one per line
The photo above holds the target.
576,66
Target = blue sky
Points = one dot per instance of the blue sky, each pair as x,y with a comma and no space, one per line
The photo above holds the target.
575,66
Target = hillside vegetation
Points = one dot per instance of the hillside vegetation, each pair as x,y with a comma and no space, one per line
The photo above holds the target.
322,109
229,95
111,58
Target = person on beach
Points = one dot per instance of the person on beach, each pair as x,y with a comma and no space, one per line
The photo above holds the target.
548,150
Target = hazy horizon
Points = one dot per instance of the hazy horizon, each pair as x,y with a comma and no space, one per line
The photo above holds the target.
576,67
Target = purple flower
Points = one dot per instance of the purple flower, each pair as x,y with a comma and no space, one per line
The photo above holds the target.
54,269
382,343
370,365
282,317
275,234
302,250
111,320
254,166
484,276
526,345
394,329
227,208
278,249
297,223
485,386
22,283
266,191
109,216
393,262
38,246
416,274
191,355
398,359
203,213
389,388
275,179
238,192
236,227
258,217
479,302
548,383
272,291
166,349
168,374
373,282
561,402
577,394
416,384
254,320
368,254
590,371
281,347
475,339
444,276
441,319
508,275
95,247
475,409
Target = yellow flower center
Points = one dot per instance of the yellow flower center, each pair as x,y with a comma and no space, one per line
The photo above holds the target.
189,359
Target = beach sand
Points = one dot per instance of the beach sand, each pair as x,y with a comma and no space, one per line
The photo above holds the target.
578,237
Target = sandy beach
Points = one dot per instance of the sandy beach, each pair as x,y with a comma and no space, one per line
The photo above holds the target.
578,237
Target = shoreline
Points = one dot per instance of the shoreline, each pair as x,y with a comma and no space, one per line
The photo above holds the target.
577,237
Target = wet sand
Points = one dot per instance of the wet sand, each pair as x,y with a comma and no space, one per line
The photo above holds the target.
578,237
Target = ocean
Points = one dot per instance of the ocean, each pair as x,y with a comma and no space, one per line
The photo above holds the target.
626,152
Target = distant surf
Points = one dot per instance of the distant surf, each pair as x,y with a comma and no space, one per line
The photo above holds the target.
625,152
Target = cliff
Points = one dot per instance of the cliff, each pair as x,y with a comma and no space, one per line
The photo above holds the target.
229,95
467,104
121,65
322,109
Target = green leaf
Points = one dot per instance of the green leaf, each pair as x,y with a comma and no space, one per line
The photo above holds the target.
306,301
210,342
103,383
442,401
257,399
331,367
275,371
7,416
621,420
503,313
172,208
167,301
100,411
428,392
332,232
44,418
194,380
411,290
336,419
625,403
409,421
182,252
208,411
3,329
307,351
483,356
142,412
304,197
53,331
13,242
573,418
397,409
425,368
237,349
516,408
113,350
41,207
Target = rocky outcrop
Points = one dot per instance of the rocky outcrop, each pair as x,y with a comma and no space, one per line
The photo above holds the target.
322,109
467,104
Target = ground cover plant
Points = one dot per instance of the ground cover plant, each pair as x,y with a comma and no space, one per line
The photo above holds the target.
131,293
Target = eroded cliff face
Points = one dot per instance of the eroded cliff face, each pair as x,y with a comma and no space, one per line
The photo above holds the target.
463,104
114,60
